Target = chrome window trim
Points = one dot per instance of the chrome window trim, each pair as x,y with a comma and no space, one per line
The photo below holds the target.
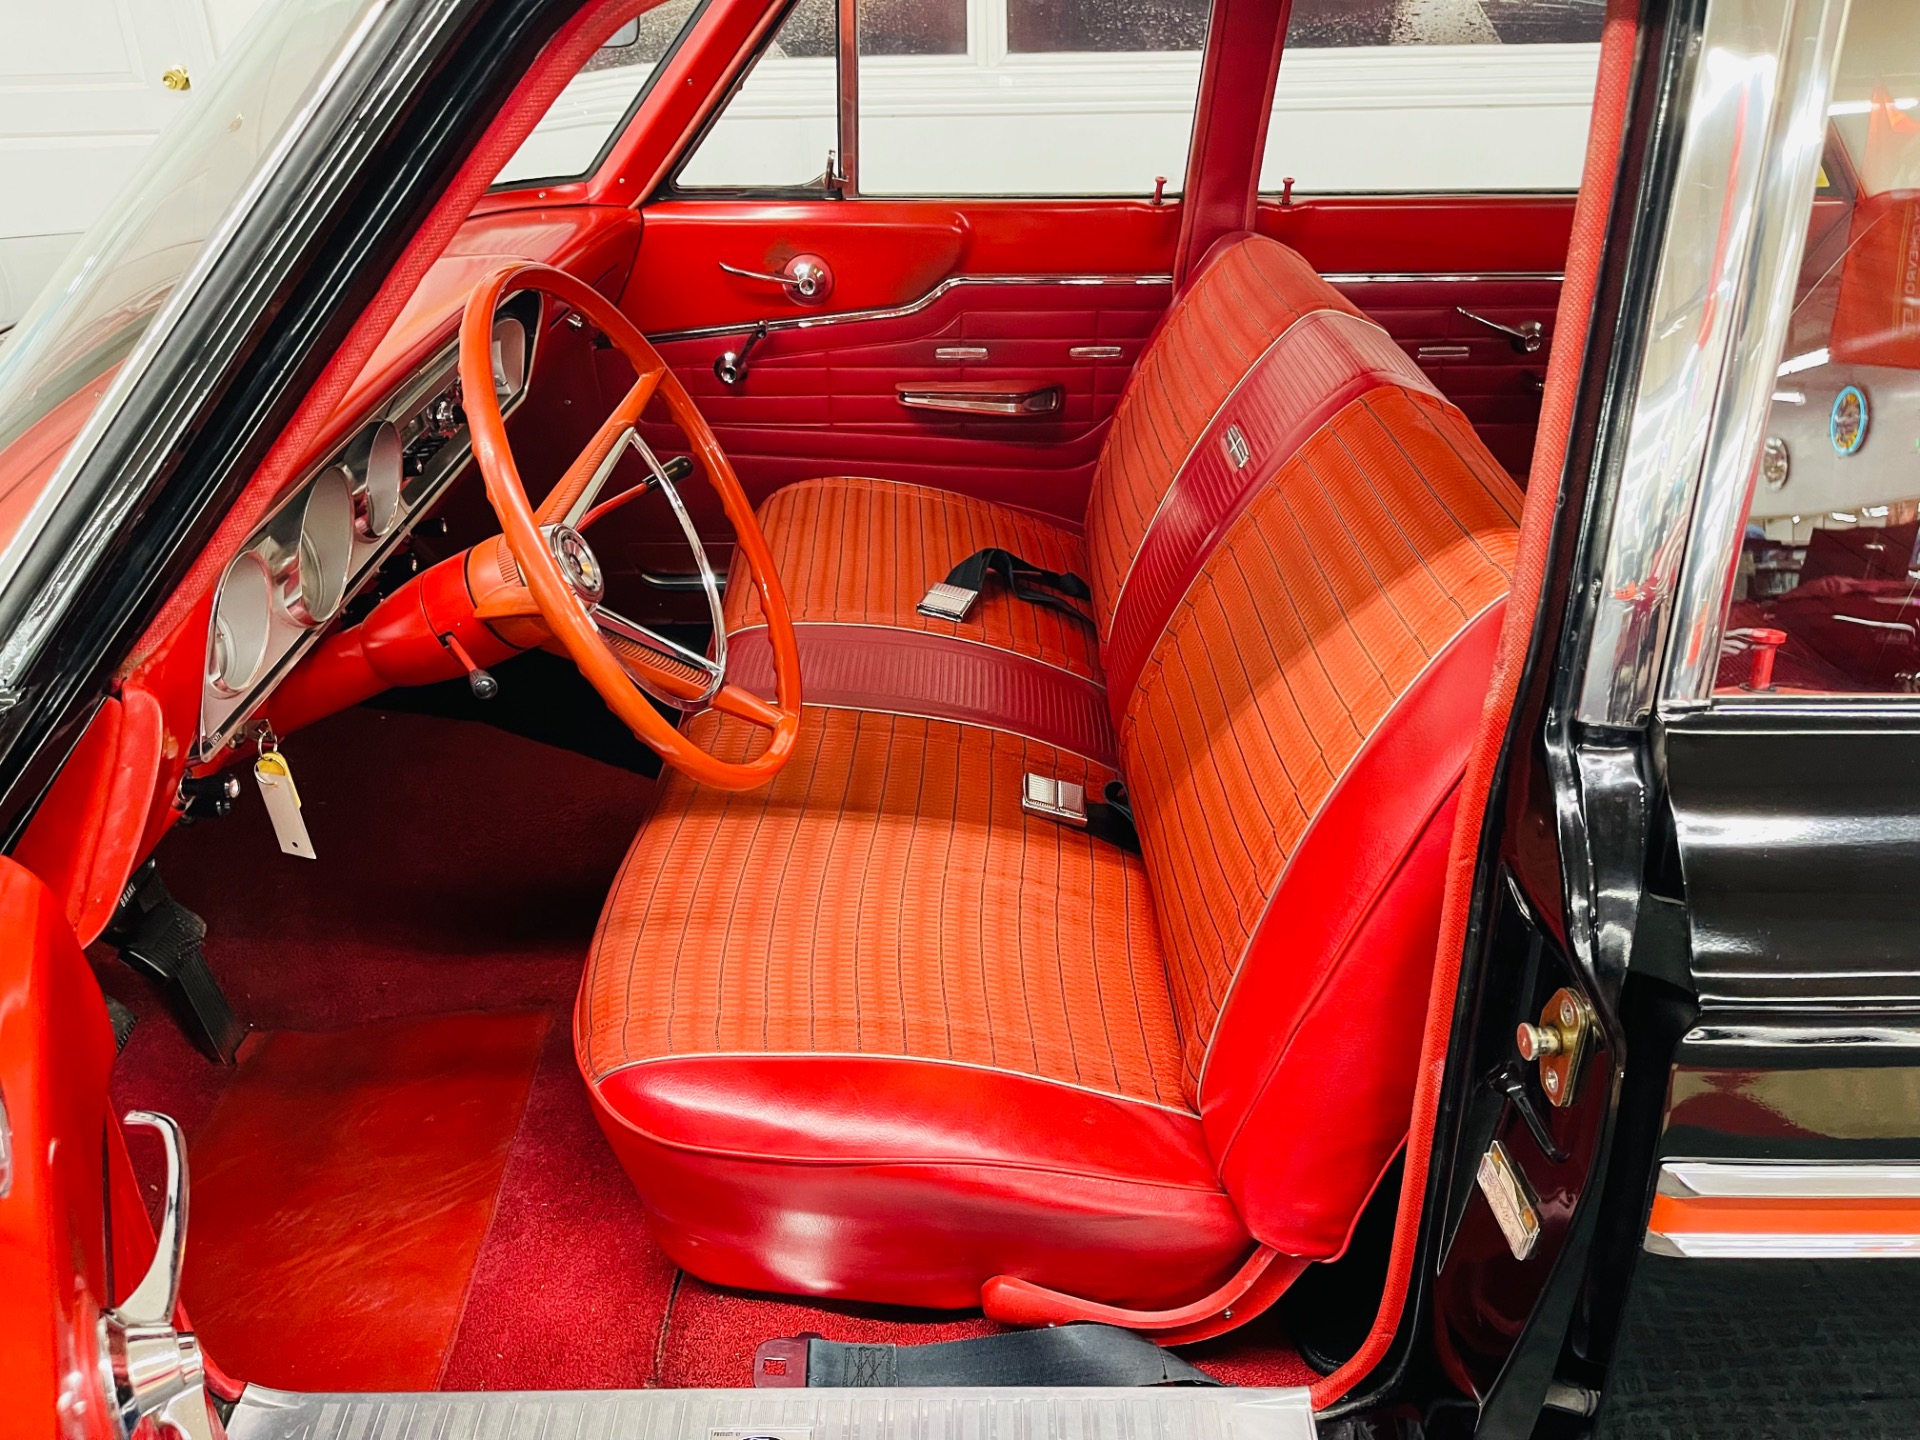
46,608
897,312
1742,192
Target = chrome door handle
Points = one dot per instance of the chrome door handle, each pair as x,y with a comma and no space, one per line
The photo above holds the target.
962,398
153,1372
807,279
1526,337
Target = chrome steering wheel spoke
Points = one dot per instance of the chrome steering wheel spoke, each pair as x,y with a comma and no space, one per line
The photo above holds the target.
710,672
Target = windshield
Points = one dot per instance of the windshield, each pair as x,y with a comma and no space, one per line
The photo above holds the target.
98,304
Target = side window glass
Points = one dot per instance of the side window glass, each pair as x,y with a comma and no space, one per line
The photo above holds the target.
573,136
779,129
1826,596
1433,96
1027,97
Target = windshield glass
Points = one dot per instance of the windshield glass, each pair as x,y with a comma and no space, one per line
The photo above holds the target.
98,304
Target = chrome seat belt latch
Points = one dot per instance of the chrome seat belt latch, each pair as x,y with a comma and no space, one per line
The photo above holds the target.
947,602
1061,800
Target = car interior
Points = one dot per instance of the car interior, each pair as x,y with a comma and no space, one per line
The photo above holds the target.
786,757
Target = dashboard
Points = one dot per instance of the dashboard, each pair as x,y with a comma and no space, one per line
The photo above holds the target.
325,541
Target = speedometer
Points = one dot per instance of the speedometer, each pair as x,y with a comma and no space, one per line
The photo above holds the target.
242,621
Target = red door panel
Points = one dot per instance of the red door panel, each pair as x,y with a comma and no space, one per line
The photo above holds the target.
882,253
1495,380
56,1049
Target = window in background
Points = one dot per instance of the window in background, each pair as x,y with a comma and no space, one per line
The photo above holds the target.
781,125
1045,97
1826,598
574,134
1434,96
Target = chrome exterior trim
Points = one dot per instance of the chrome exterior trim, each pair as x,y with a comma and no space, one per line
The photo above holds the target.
1790,1180
1743,184
1793,1184
1779,229
1782,1245
897,312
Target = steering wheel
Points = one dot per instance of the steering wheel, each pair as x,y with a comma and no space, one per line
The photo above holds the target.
620,657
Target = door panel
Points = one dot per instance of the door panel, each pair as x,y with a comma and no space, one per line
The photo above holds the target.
56,1049
1000,294
1494,379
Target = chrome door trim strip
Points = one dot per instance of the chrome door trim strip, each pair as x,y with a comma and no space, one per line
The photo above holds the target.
1783,1245
897,312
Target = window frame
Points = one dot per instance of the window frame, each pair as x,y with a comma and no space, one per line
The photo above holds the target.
988,47
618,130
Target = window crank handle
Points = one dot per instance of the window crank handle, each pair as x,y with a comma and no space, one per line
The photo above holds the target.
1526,337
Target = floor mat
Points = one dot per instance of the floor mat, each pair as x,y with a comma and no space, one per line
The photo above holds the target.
341,1192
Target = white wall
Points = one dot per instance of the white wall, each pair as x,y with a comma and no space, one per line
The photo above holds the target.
80,102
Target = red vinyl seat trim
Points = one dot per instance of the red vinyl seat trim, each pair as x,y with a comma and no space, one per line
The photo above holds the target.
899,1181
1365,881
940,677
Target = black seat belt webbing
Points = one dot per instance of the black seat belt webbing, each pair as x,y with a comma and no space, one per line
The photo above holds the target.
953,597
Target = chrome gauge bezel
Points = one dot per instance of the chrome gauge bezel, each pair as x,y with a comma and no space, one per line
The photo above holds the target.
374,466
342,520
242,625
314,562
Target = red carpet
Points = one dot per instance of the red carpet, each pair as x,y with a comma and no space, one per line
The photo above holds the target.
340,1194
461,869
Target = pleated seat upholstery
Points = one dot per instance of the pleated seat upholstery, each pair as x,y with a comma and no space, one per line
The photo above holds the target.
874,1032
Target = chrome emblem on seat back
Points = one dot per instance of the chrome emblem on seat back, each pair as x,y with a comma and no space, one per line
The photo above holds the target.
1238,450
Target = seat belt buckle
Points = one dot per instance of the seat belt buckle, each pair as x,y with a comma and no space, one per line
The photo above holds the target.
782,1364
947,602
1061,800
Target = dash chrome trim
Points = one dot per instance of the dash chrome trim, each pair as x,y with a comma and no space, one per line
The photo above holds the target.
896,312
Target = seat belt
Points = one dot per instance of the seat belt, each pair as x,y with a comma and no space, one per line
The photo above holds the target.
953,597
1109,819
1102,1355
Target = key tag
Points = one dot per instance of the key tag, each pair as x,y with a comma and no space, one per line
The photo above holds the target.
282,800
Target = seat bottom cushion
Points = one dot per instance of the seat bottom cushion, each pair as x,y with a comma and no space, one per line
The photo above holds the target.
853,551
873,1032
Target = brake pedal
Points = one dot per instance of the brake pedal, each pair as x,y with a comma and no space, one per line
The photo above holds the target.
161,938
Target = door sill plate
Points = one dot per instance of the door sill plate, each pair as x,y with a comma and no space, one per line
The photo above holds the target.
984,1413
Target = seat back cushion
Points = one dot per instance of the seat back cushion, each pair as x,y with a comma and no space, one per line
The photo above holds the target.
1292,745
1251,292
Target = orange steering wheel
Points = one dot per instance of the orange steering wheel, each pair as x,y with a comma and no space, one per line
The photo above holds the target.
619,656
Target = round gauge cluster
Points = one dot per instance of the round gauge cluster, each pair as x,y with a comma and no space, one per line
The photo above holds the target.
313,572
242,621
374,474
297,571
